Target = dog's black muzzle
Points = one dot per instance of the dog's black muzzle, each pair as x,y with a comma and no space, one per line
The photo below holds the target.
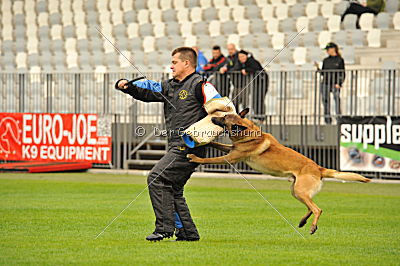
219,121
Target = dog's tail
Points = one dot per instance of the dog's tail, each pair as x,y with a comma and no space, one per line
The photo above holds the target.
348,176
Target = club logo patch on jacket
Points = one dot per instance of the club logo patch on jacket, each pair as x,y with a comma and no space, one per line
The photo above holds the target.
183,94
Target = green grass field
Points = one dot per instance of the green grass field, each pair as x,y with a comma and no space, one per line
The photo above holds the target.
54,218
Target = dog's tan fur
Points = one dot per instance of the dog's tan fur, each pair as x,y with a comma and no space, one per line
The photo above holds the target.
262,152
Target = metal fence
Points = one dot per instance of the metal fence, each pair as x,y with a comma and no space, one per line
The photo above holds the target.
294,92
65,92
287,104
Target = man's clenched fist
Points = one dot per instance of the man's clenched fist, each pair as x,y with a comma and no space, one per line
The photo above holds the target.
122,84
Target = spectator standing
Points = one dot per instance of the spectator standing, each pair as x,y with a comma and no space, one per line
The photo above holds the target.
229,73
217,61
333,76
253,84
232,61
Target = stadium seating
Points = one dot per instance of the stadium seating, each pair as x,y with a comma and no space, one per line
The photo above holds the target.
62,35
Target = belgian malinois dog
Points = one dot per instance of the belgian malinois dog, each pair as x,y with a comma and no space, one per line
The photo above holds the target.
262,152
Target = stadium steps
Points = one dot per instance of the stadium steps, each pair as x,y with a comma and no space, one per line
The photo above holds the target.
141,164
371,57
389,35
147,157
368,56
156,144
392,43
147,154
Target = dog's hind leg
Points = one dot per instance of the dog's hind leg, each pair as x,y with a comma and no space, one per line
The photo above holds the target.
304,189
316,211
303,220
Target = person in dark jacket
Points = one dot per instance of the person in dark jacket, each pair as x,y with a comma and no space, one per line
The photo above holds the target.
229,73
253,84
333,76
360,7
232,61
217,61
213,67
184,97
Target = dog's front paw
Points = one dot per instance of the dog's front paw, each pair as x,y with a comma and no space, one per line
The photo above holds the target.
192,158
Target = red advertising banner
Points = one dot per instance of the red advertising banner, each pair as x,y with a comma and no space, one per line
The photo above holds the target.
53,137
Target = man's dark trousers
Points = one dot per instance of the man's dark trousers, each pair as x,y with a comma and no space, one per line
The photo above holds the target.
166,183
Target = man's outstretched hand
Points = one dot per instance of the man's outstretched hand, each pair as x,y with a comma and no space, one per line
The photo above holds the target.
122,84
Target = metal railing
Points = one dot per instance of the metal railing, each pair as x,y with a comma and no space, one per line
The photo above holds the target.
294,92
278,94
287,104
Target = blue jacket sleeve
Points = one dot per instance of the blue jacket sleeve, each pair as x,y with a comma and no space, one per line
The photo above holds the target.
145,90
201,62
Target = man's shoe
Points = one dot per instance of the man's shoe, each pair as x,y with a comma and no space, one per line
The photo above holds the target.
158,236
180,234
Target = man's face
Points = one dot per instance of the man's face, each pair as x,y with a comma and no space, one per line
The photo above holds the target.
231,49
177,65
216,53
242,58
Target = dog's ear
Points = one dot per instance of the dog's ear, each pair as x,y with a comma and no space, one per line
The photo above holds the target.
238,128
244,112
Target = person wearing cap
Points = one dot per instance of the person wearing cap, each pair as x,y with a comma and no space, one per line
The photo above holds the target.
333,76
